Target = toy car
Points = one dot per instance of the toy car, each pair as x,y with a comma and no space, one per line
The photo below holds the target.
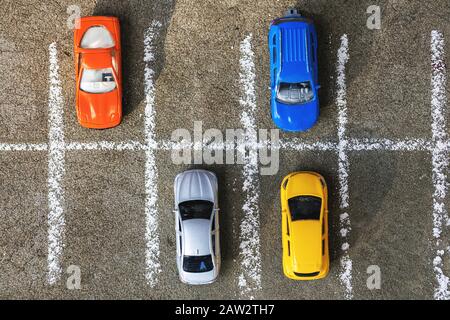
304,205
98,65
197,227
294,72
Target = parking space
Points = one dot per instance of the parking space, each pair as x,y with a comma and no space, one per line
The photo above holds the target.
226,287
325,163
23,240
24,87
103,200
202,85
104,197
388,76
136,17
393,231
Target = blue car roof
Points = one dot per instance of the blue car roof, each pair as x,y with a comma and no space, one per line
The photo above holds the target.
295,50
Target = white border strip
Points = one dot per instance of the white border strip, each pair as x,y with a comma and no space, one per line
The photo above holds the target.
56,170
439,158
343,163
249,248
152,252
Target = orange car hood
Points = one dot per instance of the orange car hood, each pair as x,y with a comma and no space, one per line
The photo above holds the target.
98,108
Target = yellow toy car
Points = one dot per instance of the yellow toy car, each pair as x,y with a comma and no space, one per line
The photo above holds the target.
304,205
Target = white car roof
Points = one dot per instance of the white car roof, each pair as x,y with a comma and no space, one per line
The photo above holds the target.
197,233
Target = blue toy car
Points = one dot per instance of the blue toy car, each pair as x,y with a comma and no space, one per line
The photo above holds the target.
294,72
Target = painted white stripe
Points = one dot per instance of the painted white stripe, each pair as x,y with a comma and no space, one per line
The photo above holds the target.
249,249
388,145
23,147
439,158
343,163
291,144
152,253
106,146
169,145
296,144
56,170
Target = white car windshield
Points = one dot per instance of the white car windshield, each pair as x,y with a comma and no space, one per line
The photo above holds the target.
97,37
295,93
97,80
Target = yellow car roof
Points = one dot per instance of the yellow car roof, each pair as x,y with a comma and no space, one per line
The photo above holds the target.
306,246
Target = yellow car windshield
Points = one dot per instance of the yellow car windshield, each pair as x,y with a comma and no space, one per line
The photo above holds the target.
305,208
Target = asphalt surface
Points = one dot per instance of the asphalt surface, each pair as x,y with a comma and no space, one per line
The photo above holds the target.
197,79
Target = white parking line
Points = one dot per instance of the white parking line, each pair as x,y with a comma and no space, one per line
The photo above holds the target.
169,145
56,160
389,145
152,264
249,248
105,146
439,158
290,144
343,163
23,147
296,144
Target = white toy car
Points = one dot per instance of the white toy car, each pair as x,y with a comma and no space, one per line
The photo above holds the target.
197,227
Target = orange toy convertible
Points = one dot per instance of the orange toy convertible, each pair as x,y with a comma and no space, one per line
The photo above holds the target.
98,66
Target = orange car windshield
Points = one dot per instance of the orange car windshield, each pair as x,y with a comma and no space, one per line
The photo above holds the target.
98,81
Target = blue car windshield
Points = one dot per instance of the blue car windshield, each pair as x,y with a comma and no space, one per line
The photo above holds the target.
295,93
